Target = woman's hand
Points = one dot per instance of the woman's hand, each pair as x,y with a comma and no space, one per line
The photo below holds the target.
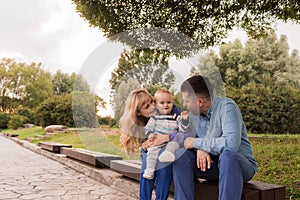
146,145
203,160
160,139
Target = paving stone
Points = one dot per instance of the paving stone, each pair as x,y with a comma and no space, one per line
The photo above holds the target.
25,174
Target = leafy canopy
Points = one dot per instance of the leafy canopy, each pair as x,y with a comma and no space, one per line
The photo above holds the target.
206,21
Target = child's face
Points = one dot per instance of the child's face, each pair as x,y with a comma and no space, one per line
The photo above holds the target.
164,103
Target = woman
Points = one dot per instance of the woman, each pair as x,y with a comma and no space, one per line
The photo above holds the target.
139,107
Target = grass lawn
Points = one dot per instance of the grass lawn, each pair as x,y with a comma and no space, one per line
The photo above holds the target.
278,156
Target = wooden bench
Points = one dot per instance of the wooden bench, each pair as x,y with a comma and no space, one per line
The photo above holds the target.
10,134
91,157
208,190
53,146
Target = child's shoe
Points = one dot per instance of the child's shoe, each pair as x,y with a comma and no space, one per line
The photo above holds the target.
166,156
148,175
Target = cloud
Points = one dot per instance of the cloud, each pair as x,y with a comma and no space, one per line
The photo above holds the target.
47,31
24,24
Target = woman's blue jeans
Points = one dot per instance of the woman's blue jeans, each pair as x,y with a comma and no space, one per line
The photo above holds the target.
231,169
163,178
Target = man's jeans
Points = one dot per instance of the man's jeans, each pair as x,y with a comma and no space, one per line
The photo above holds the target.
231,169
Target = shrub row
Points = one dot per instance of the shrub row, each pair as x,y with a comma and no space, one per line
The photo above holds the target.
265,109
268,108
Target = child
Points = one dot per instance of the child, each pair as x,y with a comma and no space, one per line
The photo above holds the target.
163,123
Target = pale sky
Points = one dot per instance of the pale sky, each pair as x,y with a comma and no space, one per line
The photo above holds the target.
52,32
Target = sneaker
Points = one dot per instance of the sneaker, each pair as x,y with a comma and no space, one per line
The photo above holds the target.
148,176
166,156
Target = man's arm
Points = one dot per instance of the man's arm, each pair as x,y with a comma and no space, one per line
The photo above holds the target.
230,132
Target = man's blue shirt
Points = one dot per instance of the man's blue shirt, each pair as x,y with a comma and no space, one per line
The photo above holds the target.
222,129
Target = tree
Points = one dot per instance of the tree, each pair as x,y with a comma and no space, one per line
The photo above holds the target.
292,74
260,58
121,95
63,83
21,83
146,66
84,109
205,21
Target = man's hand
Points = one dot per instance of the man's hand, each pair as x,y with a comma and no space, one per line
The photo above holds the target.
203,160
188,142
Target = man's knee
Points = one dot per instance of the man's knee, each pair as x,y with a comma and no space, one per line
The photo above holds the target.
229,160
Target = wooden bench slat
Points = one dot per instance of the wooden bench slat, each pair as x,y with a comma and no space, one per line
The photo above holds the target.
91,157
209,190
10,134
53,146
268,191
129,168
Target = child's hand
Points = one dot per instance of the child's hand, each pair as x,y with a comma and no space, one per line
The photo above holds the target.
151,137
185,115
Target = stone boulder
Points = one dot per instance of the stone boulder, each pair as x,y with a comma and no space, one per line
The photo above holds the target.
28,125
55,128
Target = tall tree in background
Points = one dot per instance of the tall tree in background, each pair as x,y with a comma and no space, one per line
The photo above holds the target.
259,58
63,83
121,95
23,84
146,66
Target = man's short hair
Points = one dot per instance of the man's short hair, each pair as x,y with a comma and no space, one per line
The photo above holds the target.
198,85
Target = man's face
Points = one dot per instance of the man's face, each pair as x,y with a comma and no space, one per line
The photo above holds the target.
191,102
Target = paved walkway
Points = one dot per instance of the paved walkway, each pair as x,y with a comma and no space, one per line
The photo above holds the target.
28,175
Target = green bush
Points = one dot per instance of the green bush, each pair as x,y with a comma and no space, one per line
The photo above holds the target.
77,108
16,121
269,108
26,112
56,110
113,123
84,109
4,119
104,120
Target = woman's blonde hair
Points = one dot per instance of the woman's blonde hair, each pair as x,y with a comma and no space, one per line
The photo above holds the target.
131,123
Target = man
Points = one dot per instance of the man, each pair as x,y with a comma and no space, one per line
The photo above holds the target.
220,149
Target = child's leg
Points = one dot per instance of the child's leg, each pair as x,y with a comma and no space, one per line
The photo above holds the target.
169,154
152,156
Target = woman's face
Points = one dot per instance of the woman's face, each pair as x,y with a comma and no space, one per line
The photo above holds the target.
147,109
